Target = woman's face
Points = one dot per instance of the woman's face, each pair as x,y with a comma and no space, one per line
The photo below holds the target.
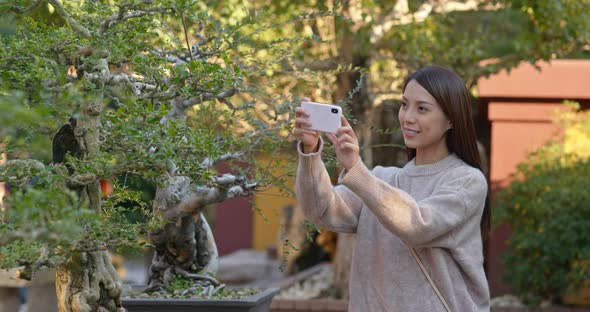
423,122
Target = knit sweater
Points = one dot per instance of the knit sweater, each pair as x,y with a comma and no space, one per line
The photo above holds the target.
434,208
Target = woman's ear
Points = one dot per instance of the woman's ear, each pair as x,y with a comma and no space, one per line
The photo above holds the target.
449,126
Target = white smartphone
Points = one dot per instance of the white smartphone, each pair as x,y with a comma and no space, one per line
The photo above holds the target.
323,117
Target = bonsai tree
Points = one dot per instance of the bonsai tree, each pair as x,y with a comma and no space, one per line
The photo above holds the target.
158,90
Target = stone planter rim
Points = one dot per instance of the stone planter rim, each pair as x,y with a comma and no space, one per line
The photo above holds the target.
250,301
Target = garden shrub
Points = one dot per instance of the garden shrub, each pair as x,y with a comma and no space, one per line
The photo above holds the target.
548,209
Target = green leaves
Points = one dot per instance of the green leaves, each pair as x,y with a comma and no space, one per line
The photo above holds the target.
134,67
547,208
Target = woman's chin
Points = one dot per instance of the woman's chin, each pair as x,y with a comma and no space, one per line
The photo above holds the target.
409,145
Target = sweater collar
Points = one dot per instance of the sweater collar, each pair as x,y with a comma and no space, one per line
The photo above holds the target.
411,169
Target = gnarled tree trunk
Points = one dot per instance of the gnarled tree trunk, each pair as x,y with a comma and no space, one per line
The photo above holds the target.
185,245
88,282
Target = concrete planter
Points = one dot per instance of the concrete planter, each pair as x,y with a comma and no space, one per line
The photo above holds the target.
259,302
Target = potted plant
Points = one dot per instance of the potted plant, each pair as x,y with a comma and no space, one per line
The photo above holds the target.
157,90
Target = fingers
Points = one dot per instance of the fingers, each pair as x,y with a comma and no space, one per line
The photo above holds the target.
302,123
346,127
343,142
346,130
345,122
349,147
300,112
345,138
332,138
299,132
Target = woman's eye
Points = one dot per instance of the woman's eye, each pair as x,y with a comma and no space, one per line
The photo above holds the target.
404,104
422,109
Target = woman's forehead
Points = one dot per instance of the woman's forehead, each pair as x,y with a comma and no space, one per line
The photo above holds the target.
416,93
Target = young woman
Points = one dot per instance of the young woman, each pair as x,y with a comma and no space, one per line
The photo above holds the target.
418,228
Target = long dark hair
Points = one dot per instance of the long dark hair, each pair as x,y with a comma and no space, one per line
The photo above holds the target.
451,94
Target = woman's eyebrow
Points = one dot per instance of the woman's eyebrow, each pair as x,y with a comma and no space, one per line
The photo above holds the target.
417,102
424,102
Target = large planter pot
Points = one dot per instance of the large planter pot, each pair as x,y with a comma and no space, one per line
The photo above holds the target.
259,302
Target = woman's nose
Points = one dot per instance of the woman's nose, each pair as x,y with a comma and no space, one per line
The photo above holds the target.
409,116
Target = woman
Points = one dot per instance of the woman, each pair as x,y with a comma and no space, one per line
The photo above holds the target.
418,243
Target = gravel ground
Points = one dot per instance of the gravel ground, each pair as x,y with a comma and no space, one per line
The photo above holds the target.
309,288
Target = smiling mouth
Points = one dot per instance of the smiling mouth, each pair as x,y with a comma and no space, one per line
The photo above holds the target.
410,131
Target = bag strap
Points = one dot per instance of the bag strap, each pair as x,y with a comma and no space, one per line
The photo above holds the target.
442,299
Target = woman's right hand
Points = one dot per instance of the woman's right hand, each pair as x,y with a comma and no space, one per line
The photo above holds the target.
309,138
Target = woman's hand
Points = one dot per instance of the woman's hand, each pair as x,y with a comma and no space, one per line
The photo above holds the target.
309,138
346,145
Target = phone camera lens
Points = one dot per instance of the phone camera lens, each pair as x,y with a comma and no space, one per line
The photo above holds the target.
335,111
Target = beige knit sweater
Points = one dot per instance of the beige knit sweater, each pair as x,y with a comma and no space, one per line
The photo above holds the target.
434,208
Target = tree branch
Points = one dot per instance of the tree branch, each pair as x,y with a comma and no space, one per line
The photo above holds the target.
401,14
20,170
20,10
59,8
180,105
208,163
82,180
117,79
122,16
28,235
188,45
317,65
231,186
181,198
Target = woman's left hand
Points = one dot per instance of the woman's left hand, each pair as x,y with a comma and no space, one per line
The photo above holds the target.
346,144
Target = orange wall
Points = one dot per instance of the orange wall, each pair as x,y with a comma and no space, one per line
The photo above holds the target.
519,106
558,79
517,129
266,227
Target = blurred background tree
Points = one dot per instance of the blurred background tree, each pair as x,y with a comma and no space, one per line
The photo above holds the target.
366,57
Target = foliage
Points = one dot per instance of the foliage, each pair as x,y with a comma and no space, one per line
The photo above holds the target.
176,89
184,289
548,211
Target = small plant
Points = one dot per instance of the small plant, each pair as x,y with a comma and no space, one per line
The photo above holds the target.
185,288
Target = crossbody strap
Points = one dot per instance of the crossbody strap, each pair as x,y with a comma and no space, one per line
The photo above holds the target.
442,299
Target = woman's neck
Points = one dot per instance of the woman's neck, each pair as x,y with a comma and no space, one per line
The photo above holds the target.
427,157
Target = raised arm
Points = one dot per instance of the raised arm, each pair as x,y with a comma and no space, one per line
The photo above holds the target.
334,208
426,222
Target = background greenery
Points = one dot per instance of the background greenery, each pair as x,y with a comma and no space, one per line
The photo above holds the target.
547,207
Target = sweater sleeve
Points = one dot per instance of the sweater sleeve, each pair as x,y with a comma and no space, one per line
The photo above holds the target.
425,223
334,208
